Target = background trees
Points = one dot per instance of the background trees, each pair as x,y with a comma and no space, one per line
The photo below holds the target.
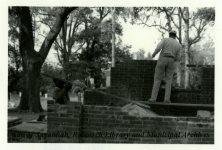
190,26
83,38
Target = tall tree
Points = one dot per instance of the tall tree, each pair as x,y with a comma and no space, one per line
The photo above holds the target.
196,23
98,40
140,54
186,16
32,60
67,44
13,51
182,20
149,56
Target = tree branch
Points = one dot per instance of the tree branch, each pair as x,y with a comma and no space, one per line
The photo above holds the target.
79,47
181,12
42,35
45,14
70,29
108,11
57,43
59,58
64,31
60,19
154,25
72,36
199,30
45,24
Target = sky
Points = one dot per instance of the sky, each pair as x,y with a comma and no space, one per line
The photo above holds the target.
138,36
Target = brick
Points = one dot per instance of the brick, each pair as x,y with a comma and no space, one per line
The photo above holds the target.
116,121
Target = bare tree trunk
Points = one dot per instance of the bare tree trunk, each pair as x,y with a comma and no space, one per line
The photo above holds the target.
186,20
31,64
180,26
113,37
179,70
30,99
66,68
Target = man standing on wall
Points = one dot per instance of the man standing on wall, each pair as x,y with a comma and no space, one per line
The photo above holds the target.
166,65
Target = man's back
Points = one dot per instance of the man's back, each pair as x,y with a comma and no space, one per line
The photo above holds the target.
170,47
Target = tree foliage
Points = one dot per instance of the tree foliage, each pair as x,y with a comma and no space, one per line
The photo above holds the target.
92,49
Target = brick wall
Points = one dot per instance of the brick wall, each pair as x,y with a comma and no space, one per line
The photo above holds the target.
103,124
133,79
63,120
92,97
188,96
207,84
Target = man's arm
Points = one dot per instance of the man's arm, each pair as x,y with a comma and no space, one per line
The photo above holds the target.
158,48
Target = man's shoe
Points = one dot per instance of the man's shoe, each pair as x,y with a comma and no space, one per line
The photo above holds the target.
151,101
167,101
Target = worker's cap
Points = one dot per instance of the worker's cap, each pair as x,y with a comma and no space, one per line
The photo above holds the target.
173,32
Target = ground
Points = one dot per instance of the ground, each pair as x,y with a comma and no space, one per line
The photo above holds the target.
14,102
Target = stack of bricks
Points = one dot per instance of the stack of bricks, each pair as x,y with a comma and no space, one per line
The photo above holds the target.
92,97
207,84
187,96
133,79
64,123
103,124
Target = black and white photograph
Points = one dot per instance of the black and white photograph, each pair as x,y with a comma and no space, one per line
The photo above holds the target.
111,74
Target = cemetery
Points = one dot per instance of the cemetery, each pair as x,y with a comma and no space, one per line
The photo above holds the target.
103,119
100,93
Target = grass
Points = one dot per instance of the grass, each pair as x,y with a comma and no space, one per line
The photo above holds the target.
25,116
15,100
28,116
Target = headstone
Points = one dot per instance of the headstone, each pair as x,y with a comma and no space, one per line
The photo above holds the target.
11,104
203,114
82,97
92,82
79,96
108,81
